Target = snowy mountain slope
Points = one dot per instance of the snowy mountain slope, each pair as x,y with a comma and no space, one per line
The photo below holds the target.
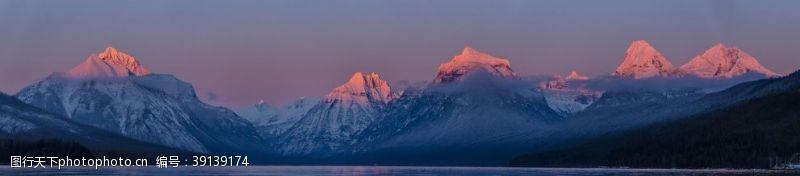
24,122
258,112
721,61
148,107
642,60
17,117
330,125
469,61
271,122
568,102
568,95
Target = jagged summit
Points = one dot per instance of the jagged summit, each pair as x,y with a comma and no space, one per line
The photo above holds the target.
471,60
642,60
112,55
558,82
721,61
362,89
108,63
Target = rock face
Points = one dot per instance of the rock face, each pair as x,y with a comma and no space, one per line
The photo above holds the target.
721,61
111,91
331,124
642,60
469,61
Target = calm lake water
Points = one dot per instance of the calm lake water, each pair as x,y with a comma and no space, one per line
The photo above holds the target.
379,170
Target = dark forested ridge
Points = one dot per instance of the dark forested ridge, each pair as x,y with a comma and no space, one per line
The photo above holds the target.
748,135
41,148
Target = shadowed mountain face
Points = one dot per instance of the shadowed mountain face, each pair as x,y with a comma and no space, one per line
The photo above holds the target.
28,129
476,104
479,115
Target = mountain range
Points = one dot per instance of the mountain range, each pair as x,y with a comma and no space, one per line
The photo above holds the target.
476,110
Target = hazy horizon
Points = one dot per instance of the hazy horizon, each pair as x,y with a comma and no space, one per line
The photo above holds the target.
243,51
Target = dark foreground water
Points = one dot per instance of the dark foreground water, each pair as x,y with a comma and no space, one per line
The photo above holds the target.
379,170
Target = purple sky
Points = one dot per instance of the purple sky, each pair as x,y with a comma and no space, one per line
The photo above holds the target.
243,51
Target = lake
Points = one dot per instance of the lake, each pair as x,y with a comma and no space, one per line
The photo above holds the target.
381,170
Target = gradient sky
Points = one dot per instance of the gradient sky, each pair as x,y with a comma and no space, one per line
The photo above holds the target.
243,51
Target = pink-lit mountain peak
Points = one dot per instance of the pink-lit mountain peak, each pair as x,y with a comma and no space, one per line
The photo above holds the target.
642,60
721,61
470,55
108,63
362,89
112,55
471,60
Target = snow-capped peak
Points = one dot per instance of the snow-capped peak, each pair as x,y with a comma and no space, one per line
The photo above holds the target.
642,60
109,63
362,89
471,60
575,76
721,61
